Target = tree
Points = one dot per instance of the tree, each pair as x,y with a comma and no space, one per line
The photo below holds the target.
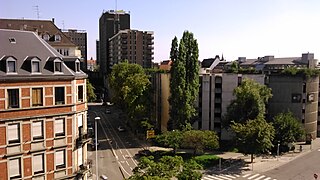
184,80
130,86
254,136
249,103
170,139
91,96
288,129
199,140
165,169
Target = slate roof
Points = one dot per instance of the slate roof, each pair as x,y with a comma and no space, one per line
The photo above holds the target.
27,46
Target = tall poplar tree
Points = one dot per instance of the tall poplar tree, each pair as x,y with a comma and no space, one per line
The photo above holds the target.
184,81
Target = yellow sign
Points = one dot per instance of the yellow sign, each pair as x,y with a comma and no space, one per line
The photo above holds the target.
150,134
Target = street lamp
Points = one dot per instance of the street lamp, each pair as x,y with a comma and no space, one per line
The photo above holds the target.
278,150
96,143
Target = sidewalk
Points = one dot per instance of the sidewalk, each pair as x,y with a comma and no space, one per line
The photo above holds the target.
262,164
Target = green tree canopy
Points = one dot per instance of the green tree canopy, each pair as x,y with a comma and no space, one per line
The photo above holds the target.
129,85
91,96
184,80
288,129
172,139
249,102
254,136
198,140
166,168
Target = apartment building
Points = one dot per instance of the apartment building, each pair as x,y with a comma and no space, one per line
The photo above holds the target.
46,30
132,45
296,93
43,110
110,23
79,38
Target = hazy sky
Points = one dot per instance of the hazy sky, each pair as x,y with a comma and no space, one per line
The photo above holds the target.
236,28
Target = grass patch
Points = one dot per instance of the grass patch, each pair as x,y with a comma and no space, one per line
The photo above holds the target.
207,160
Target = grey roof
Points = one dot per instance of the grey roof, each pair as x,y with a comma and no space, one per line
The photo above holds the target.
29,45
286,61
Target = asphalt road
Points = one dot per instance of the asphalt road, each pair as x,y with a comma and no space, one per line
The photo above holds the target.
116,151
301,168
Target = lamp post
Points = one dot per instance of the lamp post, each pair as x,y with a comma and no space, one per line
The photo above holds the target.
96,143
278,150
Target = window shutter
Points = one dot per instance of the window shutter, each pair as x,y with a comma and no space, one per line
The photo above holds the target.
58,126
80,120
37,129
38,163
59,158
13,132
80,156
14,167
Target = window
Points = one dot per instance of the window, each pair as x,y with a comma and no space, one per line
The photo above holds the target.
80,93
77,66
11,66
80,119
37,97
46,37
13,98
15,168
13,133
80,156
60,159
37,130
57,67
59,127
38,163
59,95
57,37
35,66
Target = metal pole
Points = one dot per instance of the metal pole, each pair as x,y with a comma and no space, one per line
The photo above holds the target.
96,145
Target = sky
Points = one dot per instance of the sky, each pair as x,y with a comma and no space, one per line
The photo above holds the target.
234,28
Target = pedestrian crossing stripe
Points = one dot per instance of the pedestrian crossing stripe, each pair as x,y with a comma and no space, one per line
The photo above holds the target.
236,176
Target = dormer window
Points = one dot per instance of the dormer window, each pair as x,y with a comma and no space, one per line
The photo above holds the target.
11,66
35,65
46,37
57,66
57,37
77,66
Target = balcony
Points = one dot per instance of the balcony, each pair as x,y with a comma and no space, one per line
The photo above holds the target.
83,169
82,138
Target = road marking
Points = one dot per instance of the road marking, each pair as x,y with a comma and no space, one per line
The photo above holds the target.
260,177
318,149
246,175
253,176
224,177
230,176
214,177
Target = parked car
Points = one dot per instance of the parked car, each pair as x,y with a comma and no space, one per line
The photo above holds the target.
103,177
121,129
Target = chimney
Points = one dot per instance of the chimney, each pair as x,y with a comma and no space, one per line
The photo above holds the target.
268,58
308,58
242,59
53,20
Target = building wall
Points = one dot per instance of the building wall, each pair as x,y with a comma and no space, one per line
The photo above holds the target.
132,45
291,93
165,94
28,147
107,29
79,38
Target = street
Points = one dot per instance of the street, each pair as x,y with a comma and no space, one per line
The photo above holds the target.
301,168
116,149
